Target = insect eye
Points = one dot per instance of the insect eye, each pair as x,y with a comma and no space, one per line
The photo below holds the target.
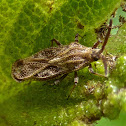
96,58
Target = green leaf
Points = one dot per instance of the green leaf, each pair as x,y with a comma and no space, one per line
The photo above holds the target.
26,27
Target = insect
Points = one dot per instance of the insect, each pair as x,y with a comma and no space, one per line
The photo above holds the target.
59,61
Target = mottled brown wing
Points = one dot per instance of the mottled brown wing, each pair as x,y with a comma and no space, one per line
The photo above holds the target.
68,60
49,53
53,71
26,68
50,72
52,62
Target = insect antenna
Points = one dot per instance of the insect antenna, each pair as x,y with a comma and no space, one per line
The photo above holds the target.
106,37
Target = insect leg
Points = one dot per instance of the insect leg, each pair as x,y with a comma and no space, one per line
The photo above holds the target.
76,79
60,79
56,41
96,44
92,71
76,37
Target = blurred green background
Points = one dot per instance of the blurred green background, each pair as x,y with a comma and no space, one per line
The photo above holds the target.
120,121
